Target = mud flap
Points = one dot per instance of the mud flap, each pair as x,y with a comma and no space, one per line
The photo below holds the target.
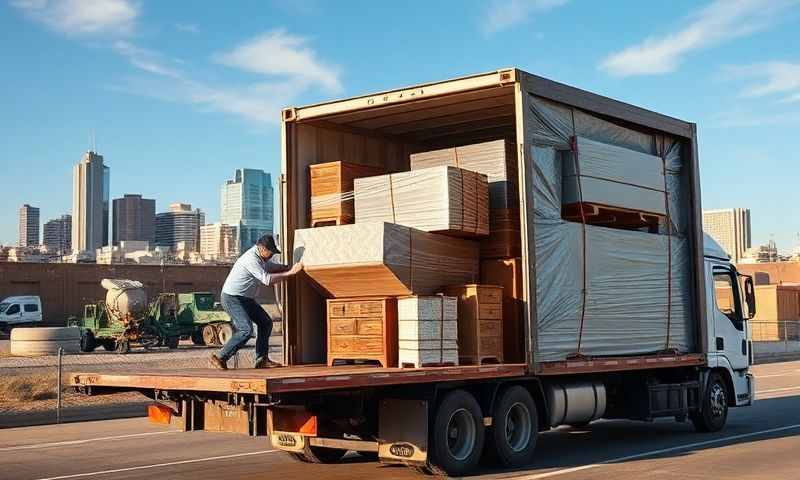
403,431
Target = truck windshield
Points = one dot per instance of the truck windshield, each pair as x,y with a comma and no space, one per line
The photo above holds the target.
204,302
4,306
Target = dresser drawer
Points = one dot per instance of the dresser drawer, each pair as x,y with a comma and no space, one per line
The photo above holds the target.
490,295
354,345
370,326
490,311
342,326
490,328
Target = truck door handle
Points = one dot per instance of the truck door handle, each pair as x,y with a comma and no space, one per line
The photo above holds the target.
720,343
744,347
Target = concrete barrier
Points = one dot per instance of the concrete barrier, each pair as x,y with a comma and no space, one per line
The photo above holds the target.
45,340
776,350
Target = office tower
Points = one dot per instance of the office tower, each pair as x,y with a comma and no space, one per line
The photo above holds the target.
730,227
90,195
218,242
247,204
58,235
28,226
179,224
133,218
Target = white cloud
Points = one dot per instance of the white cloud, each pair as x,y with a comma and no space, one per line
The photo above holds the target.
771,78
187,27
145,59
718,22
279,53
83,17
504,14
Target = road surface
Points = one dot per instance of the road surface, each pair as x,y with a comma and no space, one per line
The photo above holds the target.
760,442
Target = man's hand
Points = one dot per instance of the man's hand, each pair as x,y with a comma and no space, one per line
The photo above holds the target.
296,268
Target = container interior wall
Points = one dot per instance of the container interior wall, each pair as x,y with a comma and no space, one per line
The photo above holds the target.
385,137
603,291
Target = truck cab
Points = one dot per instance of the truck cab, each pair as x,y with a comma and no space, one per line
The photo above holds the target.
20,311
730,304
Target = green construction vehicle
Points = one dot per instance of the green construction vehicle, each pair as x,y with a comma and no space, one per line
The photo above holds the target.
196,316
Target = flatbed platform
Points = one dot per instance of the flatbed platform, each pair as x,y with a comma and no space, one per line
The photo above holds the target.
287,379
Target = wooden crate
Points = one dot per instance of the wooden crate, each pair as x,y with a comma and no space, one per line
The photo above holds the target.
384,259
480,322
507,272
428,331
328,182
363,329
505,238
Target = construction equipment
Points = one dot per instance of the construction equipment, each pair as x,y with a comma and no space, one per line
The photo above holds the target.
195,315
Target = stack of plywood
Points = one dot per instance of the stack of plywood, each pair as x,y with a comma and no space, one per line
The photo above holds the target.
614,176
480,322
438,199
384,259
331,191
507,273
497,159
428,330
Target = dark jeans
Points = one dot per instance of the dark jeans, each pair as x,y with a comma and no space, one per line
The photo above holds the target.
244,313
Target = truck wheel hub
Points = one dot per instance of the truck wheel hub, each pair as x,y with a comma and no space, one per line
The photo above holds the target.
518,427
461,434
718,401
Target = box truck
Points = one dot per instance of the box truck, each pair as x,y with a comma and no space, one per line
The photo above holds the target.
639,322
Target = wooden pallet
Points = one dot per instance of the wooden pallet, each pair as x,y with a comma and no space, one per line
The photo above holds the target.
427,364
614,217
330,221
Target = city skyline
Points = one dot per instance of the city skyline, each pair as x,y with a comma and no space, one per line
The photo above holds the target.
175,110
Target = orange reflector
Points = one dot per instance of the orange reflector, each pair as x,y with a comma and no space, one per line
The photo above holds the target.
158,413
310,427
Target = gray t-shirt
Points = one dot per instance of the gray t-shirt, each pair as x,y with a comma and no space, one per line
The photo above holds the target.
249,271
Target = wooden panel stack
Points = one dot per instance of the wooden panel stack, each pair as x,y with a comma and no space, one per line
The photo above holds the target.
442,199
331,184
384,259
428,331
363,329
480,322
507,272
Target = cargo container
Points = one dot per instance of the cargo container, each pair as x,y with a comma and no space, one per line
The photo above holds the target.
627,311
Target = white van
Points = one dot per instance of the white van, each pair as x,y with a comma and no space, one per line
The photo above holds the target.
22,311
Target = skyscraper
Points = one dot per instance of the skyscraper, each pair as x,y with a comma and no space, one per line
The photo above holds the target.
133,218
90,195
58,235
247,204
179,224
731,228
28,226
218,242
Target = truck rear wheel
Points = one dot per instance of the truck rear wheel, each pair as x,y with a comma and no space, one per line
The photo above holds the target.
172,342
713,407
197,337
210,335
515,428
458,434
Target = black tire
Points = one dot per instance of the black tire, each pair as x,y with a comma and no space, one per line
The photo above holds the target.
172,342
515,428
122,346
88,342
108,345
319,454
197,337
371,456
713,406
457,436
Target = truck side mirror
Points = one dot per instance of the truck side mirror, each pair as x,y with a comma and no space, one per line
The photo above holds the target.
750,296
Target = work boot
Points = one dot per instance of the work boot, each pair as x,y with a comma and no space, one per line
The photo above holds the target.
217,362
265,363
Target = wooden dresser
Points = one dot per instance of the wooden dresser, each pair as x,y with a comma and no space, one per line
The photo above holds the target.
363,329
328,182
480,322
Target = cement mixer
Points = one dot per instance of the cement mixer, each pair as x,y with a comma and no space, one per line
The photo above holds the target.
123,320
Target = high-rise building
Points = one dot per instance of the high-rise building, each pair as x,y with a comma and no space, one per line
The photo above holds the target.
247,204
90,195
730,227
133,218
218,242
179,224
28,226
58,235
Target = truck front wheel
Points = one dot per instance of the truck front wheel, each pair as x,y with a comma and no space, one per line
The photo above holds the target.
458,434
714,406
515,428
88,342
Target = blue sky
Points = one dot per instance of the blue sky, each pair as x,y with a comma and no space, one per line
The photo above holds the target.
179,94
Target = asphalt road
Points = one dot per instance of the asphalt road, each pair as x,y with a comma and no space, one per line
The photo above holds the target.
762,441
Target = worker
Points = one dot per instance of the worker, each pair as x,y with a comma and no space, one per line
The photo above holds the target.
254,267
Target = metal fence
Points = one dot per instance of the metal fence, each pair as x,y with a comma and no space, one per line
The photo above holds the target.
775,339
